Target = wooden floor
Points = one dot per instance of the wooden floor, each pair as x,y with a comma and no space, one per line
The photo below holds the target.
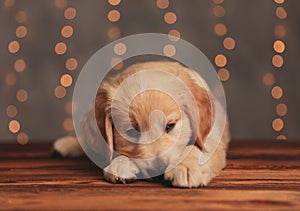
259,176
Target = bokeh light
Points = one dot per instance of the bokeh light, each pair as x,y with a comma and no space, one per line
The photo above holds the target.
277,124
66,80
170,17
19,65
116,63
21,17
220,29
21,31
22,138
279,1
220,60
60,92
279,46
14,47
69,107
67,31
277,92
68,125
162,4
14,126
224,74
60,3
174,35
11,111
71,64
218,1
281,109
60,48
169,50
281,13
22,95
9,3
113,15
229,43
10,79
120,49
70,13
268,79
219,11
280,31
114,2
113,33
277,61
281,138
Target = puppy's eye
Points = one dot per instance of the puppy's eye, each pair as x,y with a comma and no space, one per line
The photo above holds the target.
133,133
170,127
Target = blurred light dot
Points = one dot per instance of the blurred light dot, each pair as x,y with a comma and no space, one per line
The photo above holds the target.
22,95
117,63
114,2
71,64
9,3
268,79
281,138
277,92
120,49
224,74
20,65
67,31
68,124
277,124
21,31
70,13
60,3
281,13
220,60
280,31
66,80
218,11
14,46
218,91
113,33
60,92
68,107
22,138
218,1
281,109
170,18
10,79
113,15
14,126
279,1
220,29
174,35
60,48
279,46
11,111
21,16
169,50
229,43
277,61
162,4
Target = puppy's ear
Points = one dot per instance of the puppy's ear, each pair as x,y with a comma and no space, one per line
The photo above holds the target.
201,117
103,115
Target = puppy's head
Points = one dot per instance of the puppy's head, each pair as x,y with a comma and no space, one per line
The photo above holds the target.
147,123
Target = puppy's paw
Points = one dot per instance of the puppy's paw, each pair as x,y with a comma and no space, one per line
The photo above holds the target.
189,175
121,170
67,147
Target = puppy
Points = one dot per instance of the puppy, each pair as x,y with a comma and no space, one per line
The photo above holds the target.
157,117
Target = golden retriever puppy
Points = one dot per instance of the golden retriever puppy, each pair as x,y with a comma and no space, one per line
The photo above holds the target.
158,116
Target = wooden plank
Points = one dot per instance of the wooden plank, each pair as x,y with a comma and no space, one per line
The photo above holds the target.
258,176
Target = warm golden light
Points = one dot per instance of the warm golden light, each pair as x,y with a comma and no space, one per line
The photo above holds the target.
66,80
60,48
71,64
9,3
116,63
114,2
229,43
60,92
11,111
70,13
218,1
67,31
14,47
170,18
68,107
68,125
14,126
21,32
280,31
277,92
281,109
162,4
220,60
22,138
268,79
279,1
277,61
281,138
169,50
279,46
60,3
113,15
219,11
120,49
113,33
277,124
220,29
20,65
281,13
10,79
224,74
174,35
22,95
21,17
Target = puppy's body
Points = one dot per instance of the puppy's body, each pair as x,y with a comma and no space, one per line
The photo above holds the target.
159,115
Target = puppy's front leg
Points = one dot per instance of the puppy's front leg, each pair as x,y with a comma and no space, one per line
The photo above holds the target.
121,170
